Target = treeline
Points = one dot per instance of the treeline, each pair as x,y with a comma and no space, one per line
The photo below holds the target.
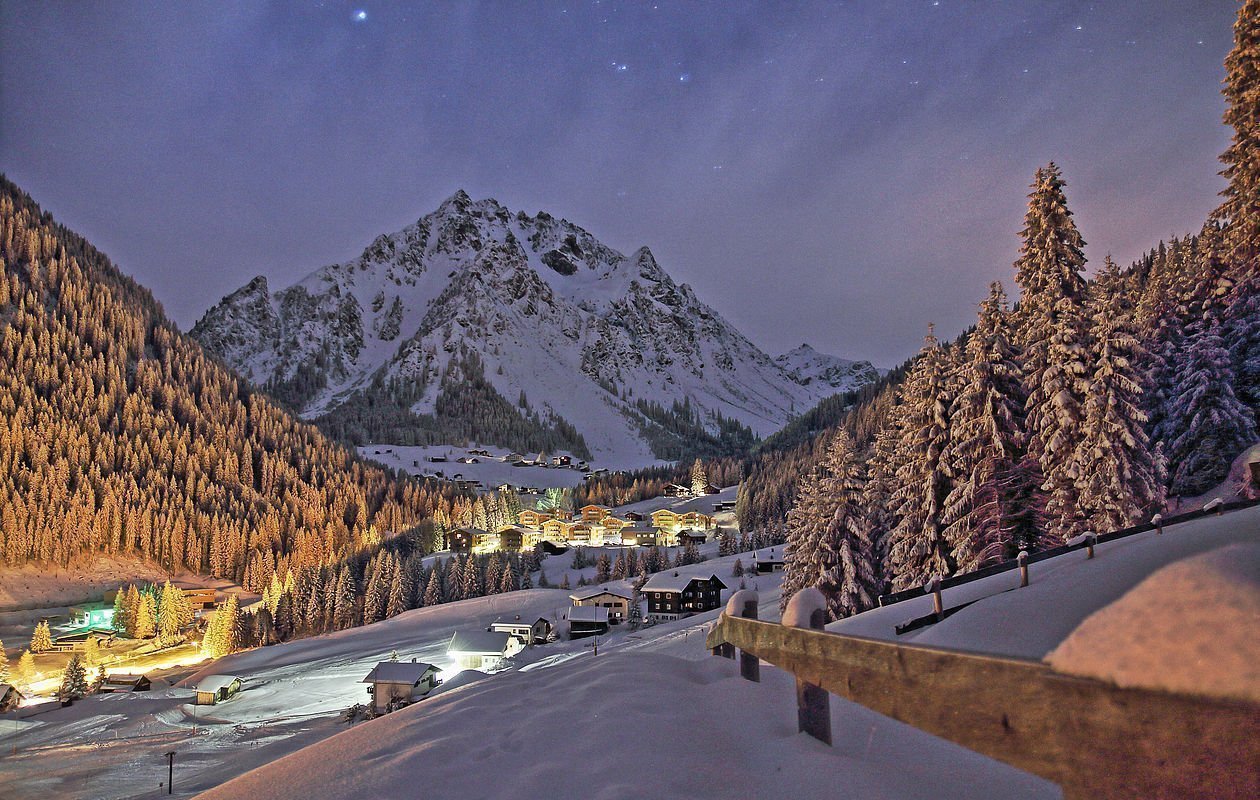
468,409
1081,409
621,488
679,433
118,435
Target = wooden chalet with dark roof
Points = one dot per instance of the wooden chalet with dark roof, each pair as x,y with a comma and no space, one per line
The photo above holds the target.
671,595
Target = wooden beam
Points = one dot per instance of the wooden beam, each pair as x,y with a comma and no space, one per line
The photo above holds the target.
1094,739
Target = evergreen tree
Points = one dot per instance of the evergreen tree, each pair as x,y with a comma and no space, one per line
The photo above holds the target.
91,652
99,680
170,613
508,580
634,617
343,612
603,569
470,583
991,510
1240,210
146,616
699,478
131,611
397,600
433,592
1117,478
564,584
1051,260
119,620
41,640
917,547
74,685
4,664
738,570
25,673
1208,425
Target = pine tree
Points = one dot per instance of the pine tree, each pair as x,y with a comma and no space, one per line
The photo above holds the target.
917,547
41,640
991,509
1208,426
507,581
4,664
634,617
699,478
470,580
603,569
433,592
1117,480
1051,260
131,611
74,685
91,652
99,680
527,580
738,570
146,616
170,613
119,620
564,584
1241,208
343,611
397,599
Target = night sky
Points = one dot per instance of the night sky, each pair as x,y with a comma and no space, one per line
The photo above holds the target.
834,173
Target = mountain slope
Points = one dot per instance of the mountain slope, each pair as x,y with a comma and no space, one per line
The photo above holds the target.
563,328
807,366
118,435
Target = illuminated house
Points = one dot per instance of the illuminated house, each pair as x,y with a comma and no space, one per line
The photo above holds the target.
695,519
462,540
671,595
556,530
587,621
91,615
638,537
769,560
529,518
615,601
482,649
665,519
594,513
397,683
530,633
217,688
10,698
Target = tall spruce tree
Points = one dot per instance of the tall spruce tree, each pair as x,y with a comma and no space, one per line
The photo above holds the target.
1117,477
74,683
992,509
917,547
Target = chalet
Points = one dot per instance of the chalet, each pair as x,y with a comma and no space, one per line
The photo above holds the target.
638,537
556,530
711,489
691,536
482,649
675,490
467,485
217,688
531,538
482,453
76,640
587,621
436,459
636,516
616,601
694,519
10,698
201,597
670,595
530,518
613,525
724,505
665,519
513,457
530,633
594,513
511,538
504,488
582,533
462,540
119,683
468,460
769,560
398,683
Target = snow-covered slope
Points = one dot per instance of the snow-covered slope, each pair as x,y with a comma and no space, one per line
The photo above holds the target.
825,372
584,332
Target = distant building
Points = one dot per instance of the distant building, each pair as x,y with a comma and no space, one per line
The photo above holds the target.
615,601
638,537
531,518
587,621
397,683
675,490
10,698
92,615
482,649
692,536
529,632
200,597
121,683
216,689
671,595
462,540
594,513
769,560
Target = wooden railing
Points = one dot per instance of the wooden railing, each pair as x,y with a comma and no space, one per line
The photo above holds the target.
1095,740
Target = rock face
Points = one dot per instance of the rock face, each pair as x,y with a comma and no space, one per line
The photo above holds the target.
808,367
565,329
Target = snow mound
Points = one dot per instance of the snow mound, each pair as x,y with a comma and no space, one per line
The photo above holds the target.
1189,627
802,607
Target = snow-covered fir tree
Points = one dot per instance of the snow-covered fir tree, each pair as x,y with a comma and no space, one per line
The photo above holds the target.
916,544
41,639
1117,477
74,683
433,592
991,511
1207,425
699,478
828,542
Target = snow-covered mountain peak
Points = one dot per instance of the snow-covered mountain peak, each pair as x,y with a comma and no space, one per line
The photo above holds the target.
562,328
807,366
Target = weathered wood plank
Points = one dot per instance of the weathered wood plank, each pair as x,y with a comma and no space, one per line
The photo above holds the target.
1094,739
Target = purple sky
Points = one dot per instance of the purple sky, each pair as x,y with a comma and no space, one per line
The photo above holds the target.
837,173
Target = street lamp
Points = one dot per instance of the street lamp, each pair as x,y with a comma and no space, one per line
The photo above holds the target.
170,771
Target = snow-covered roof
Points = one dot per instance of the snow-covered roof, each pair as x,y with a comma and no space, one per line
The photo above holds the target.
588,614
675,582
408,672
769,554
588,592
479,642
214,683
520,623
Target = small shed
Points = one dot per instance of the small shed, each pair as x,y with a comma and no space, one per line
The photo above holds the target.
482,649
217,688
119,683
397,683
587,621
10,697
529,632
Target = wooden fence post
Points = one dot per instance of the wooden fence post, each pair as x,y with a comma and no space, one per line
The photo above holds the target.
1091,539
749,664
1158,519
1022,560
807,609
938,603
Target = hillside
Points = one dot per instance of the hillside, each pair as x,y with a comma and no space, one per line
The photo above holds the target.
480,324
119,436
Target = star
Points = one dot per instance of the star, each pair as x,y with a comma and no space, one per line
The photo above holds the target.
360,15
